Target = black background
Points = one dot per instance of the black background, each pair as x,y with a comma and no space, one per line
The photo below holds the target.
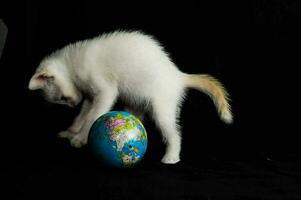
253,47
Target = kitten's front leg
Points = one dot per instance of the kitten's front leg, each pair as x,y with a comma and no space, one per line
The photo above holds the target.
100,105
77,123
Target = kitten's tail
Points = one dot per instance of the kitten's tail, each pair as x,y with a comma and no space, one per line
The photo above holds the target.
215,90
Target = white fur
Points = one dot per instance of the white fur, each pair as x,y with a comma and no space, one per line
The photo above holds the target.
129,65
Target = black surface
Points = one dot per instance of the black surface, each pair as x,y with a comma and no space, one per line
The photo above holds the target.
253,47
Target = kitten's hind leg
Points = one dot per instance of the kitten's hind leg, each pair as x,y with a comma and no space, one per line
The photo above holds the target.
165,115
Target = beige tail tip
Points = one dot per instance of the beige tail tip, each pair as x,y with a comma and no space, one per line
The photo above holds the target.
227,117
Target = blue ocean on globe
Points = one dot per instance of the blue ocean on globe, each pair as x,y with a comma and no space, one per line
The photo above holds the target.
118,139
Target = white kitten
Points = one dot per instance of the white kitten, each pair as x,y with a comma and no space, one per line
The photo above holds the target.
129,65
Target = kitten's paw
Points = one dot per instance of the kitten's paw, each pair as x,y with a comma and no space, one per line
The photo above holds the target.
170,159
78,141
66,134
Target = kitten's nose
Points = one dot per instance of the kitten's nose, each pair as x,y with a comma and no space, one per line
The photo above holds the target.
71,104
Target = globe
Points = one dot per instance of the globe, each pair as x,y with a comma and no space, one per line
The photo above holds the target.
118,139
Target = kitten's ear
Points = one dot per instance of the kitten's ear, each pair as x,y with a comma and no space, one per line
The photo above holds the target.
39,80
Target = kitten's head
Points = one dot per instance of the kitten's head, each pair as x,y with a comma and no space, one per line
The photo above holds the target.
53,79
